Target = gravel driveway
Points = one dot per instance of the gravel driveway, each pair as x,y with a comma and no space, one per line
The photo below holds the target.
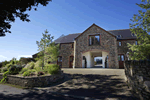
103,84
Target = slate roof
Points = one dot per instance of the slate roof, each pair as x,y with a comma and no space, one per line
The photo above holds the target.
125,34
67,39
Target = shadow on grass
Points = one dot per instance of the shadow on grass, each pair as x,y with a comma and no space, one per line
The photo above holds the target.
89,85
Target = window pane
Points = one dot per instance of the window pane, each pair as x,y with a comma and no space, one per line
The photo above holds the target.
91,40
119,57
97,40
122,57
119,43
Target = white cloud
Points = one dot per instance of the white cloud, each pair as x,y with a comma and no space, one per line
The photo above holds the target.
1,56
24,56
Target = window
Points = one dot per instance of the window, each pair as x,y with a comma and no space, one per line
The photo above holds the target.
94,40
122,57
72,45
60,59
118,36
119,43
135,42
118,57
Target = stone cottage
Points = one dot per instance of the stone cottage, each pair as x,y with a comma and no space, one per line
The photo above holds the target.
78,50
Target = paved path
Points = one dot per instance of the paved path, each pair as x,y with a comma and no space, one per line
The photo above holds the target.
12,93
103,84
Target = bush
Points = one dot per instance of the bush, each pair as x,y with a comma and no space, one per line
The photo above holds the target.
23,70
5,77
4,69
30,65
38,64
53,69
15,69
46,68
40,73
8,65
27,73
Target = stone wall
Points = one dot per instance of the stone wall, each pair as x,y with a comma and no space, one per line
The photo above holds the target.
66,51
107,44
138,78
33,81
123,49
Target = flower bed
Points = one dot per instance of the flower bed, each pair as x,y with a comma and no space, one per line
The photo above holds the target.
33,81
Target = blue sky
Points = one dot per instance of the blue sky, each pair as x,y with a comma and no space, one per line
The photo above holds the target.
65,17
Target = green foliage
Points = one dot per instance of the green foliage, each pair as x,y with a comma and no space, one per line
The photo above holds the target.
14,8
15,69
52,52
23,70
38,64
4,77
42,45
53,69
8,65
40,73
30,65
141,27
46,68
27,73
4,69
23,60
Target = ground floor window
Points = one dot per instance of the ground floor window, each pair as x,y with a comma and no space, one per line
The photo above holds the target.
59,61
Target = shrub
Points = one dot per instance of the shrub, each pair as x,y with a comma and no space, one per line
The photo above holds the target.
23,70
27,73
38,64
46,68
15,69
53,69
4,69
8,65
5,77
30,65
40,73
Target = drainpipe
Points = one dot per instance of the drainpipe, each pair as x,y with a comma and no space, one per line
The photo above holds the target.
74,53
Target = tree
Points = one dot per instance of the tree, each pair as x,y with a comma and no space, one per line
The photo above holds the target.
52,52
140,28
9,9
44,43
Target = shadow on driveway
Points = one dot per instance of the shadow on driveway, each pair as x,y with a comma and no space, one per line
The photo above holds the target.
94,86
89,85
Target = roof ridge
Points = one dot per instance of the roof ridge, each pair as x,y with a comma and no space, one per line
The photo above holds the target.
118,30
74,33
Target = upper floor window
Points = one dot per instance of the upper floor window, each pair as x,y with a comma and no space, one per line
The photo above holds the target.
118,36
94,40
135,42
119,43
